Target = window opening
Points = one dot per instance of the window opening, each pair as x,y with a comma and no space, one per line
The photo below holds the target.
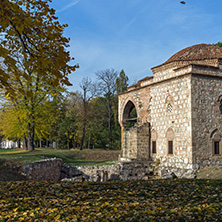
216,147
154,147
170,147
169,108
221,106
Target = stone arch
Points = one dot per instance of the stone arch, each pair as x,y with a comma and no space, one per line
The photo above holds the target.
149,109
129,116
154,134
170,133
213,133
220,103
169,99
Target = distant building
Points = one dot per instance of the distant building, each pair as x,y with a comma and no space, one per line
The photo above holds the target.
6,144
177,112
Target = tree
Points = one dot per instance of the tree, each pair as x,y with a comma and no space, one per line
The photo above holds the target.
64,128
89,91
121,82
33,58
219,44
107,80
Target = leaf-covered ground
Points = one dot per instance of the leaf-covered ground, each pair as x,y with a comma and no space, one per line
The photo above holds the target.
152,200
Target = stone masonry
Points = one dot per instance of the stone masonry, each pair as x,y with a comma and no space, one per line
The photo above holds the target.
182,104
48,169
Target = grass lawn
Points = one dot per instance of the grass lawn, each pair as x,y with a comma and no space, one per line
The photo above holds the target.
12,160
72,157
152,200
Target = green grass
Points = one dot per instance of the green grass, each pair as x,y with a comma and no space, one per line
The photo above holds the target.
71,157
152,200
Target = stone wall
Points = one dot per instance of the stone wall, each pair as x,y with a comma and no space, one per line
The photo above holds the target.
206,119
129,146
134,170
54,170
151,104
136,142
176,118
91,173
48,169
143,142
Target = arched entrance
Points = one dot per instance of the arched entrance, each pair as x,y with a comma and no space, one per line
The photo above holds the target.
129,115
135,137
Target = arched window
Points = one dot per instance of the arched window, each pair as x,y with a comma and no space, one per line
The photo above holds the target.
170,139
216,143
169,103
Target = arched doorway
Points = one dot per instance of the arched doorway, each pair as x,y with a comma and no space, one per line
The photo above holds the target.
129,115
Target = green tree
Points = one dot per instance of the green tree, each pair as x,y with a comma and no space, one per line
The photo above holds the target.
98,133
64,129
33,56
219,44
121,82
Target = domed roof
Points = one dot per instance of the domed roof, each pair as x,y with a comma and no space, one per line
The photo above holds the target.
197,52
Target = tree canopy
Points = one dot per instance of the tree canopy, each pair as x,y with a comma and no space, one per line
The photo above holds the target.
34,62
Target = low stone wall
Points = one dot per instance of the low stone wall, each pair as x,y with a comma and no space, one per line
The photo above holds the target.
91,173
122,170
48,169
55,170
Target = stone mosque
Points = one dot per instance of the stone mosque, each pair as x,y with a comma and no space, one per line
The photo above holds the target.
174,118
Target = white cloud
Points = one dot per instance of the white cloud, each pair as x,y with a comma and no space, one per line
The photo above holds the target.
69,5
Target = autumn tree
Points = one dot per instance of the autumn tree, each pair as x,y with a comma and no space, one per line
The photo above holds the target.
33,57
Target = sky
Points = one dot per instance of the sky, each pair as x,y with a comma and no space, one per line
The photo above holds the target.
134,35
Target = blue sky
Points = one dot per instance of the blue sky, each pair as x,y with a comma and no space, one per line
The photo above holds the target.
134,35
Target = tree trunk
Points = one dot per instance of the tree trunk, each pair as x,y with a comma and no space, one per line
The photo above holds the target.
84,124
24,141
74,142
89,141
19,143
68,147
40,143
54,144
31,136
83,135
110,121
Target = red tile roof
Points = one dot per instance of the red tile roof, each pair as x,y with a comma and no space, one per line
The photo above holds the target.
197,52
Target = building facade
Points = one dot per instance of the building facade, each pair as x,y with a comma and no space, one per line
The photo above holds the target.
176,113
